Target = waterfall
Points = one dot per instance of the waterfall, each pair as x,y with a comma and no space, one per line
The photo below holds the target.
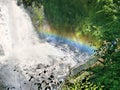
26,63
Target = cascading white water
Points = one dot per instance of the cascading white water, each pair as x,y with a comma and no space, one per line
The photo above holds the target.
25,61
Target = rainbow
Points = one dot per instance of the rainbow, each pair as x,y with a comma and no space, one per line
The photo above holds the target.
79,45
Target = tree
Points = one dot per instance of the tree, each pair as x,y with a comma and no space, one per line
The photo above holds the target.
31,3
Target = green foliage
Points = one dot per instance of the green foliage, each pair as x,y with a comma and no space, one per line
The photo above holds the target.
30,3
85,17
108,75
38,16
58,13
83,84
108,18
65,14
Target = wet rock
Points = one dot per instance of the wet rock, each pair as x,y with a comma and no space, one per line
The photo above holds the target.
47,83
39,74
8,88
43,81
45,71
48,88
61,81
31,78
14,70
51,76
39,86
19,2
49,79
42,77
40,66
54,86
47,66
12,87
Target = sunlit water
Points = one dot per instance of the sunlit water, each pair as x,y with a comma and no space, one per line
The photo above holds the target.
27,62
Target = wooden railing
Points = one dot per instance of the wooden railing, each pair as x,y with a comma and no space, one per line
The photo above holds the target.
83,66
